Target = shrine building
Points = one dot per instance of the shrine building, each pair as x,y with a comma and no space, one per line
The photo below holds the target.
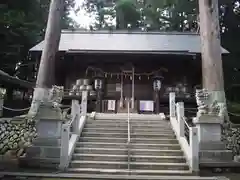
142,67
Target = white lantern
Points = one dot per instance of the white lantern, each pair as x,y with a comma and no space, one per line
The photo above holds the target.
157,84
2,92
98,83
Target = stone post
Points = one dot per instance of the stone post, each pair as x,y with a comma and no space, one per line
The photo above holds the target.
194,146
172,104
2,95
75,113
84,103
1,106
180,118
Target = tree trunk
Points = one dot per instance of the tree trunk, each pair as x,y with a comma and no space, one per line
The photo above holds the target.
45,78
212,71
46,73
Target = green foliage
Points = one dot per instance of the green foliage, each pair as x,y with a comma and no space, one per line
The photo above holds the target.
127,13
22,25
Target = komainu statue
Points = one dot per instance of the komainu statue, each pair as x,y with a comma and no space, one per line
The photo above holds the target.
208,107
56,95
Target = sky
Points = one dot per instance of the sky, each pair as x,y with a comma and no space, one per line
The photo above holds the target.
81,17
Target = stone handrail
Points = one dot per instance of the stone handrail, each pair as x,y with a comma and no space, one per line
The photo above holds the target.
70,134
191,147
129,135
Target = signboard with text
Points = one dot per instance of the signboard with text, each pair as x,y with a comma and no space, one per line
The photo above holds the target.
111,105
147,106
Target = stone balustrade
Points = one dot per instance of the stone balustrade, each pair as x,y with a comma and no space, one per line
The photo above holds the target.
189,143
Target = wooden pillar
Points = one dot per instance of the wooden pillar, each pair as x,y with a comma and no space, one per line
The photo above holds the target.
99,101
121,98
212,71
157,102
133,86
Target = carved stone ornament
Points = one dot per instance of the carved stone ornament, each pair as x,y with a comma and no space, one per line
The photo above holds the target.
206,107
56,95
202,99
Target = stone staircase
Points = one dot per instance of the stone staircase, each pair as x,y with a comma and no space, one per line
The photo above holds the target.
154,149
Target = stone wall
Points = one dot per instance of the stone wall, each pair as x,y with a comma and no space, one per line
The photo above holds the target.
231,136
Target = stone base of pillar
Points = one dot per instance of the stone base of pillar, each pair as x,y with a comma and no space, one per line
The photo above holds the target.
212,149
45,149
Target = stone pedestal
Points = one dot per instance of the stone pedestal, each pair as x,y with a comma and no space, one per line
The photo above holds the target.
209,129
210,144
45,149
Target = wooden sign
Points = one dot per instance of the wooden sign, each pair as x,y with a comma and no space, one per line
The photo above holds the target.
147,106
111,105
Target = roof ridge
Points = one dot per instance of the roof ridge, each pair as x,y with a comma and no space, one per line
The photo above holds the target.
76,31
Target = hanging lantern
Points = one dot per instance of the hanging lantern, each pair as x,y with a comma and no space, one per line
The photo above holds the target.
177,90
129,26
139,77
148,25
157,83
131,78
98,82
3,92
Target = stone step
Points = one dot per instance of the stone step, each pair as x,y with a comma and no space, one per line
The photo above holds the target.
96,174
125,135
125,126
124,151
132,120
149,173
124,158
46,142
133,140
216,155
132,116
126,122
43,152
52,163
132,145
133,130
124,165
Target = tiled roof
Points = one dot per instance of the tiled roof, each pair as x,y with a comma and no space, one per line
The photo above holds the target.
149,42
